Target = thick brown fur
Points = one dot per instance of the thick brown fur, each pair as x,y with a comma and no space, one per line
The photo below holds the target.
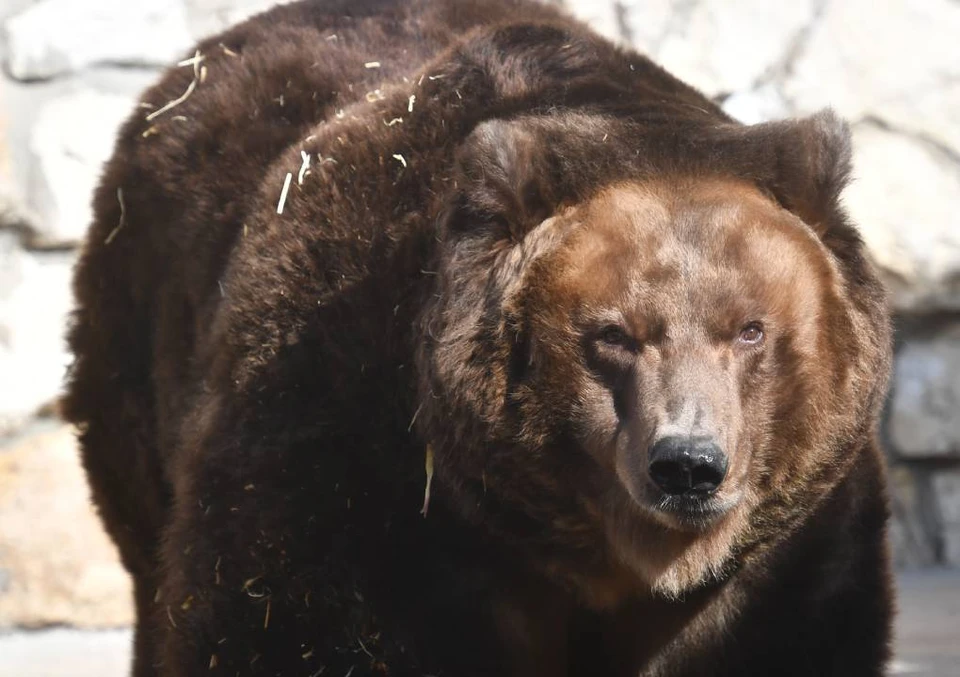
257,392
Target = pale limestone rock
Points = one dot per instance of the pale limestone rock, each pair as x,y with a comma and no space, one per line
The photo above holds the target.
69,144
758,105
60,566
603,17
900,62
13,215
66,651
211,16
35,300
10,7
905,198
719,46
925,407
54,37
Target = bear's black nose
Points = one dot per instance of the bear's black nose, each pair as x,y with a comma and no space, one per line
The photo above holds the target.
687,465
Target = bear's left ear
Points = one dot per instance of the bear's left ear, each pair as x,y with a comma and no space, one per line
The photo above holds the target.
809,166
503,180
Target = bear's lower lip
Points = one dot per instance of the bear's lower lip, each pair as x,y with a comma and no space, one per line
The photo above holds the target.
692,509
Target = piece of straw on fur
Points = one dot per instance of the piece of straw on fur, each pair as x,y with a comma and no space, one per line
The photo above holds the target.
372,64
428,466
248,588
363,647
198,77
122,220
283,193
194,60
304,167
417,412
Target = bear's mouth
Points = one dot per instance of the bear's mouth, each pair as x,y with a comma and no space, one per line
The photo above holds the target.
693,511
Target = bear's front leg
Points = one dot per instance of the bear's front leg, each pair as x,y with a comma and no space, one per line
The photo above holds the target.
288,555
266,560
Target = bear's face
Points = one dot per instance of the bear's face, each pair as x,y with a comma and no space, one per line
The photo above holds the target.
676,313
636,365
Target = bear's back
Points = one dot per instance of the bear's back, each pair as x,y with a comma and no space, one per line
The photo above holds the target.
189,166
185,176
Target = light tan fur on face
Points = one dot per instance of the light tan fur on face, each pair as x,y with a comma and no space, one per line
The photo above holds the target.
683,265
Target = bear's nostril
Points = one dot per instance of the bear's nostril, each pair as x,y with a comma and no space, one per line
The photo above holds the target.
671,476
706,477
694,466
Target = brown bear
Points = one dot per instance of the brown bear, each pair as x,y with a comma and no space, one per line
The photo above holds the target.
445,337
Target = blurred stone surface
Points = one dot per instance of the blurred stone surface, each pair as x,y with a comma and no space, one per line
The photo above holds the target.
210,16
63,652
21,104
610,18
57,565
901,63
905,198
72,138
35,299
53,38
13,215
757,105
924,412
914,535
946,485
719,47
56,37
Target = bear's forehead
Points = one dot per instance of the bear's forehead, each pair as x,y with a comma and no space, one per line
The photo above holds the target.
646,239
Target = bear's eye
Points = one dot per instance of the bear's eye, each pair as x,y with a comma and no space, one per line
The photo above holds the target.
614,335
751,334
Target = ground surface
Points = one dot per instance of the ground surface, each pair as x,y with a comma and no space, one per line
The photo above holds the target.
928,639
928,627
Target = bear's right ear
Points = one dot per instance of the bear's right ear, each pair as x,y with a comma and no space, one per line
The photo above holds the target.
503,180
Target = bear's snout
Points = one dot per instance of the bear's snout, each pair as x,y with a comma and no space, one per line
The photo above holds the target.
687,465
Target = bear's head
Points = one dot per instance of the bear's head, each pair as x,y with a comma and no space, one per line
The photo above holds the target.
649,351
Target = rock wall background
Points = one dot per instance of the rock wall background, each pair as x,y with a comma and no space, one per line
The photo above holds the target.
72,70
